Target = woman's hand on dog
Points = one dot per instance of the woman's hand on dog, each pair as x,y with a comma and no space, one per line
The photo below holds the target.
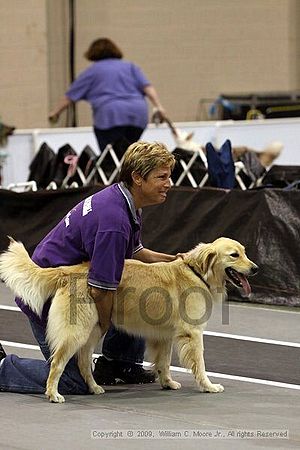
180,255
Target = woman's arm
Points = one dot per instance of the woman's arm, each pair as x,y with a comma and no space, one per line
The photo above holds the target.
104,302
150,256
151,93
63,104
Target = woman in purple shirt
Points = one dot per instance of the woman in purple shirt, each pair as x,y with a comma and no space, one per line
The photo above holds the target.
104,229
116,91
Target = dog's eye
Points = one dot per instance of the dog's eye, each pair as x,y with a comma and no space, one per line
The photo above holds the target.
235,255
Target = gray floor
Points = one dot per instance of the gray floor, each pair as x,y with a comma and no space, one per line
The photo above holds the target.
173,419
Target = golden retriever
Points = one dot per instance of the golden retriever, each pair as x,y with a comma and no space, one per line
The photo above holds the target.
162,302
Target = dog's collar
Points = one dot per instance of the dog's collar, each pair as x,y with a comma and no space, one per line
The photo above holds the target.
199,276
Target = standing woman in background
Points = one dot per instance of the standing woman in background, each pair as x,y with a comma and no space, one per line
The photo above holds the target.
116,91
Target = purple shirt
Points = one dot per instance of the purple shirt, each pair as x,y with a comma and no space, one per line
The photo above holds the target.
115,90
104,229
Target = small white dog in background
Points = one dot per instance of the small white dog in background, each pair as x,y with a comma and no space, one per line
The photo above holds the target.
266,156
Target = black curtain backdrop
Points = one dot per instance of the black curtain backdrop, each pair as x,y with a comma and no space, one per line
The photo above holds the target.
266,222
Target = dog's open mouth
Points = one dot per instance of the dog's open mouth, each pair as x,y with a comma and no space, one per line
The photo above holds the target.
238,279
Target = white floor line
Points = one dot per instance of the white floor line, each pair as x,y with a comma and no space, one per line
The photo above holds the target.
254,380
266,307
252,339
236,378
10,308
20,345
183,370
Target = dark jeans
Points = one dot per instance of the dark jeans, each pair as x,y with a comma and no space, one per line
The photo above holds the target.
29,376
123,347
126,134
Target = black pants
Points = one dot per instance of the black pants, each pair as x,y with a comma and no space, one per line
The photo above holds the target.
127,135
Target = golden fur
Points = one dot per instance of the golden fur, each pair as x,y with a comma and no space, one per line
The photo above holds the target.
162,302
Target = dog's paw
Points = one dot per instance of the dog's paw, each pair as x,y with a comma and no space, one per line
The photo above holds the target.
213,388
56,398
218,388
97,390
171,385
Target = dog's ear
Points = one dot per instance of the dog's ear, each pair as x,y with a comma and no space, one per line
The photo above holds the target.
208,259
203,256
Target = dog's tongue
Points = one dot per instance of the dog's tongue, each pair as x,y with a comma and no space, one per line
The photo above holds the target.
245,284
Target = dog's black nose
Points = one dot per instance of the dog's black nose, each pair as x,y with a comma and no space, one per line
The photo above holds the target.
254,270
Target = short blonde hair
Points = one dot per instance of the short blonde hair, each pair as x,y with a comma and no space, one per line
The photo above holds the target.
142,157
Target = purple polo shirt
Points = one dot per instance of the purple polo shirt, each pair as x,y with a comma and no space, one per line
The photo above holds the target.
104,229
115,90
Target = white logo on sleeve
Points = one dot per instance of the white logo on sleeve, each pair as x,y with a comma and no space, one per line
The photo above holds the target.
87,206
67,219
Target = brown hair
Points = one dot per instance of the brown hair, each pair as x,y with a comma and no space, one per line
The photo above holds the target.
103,48
142,157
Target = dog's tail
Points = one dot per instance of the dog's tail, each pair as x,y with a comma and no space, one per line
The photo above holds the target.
26,279
271,152
275,148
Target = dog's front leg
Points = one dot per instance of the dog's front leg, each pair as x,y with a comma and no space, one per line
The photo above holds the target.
161,356
190,350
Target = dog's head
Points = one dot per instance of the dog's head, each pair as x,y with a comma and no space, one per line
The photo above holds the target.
220,261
